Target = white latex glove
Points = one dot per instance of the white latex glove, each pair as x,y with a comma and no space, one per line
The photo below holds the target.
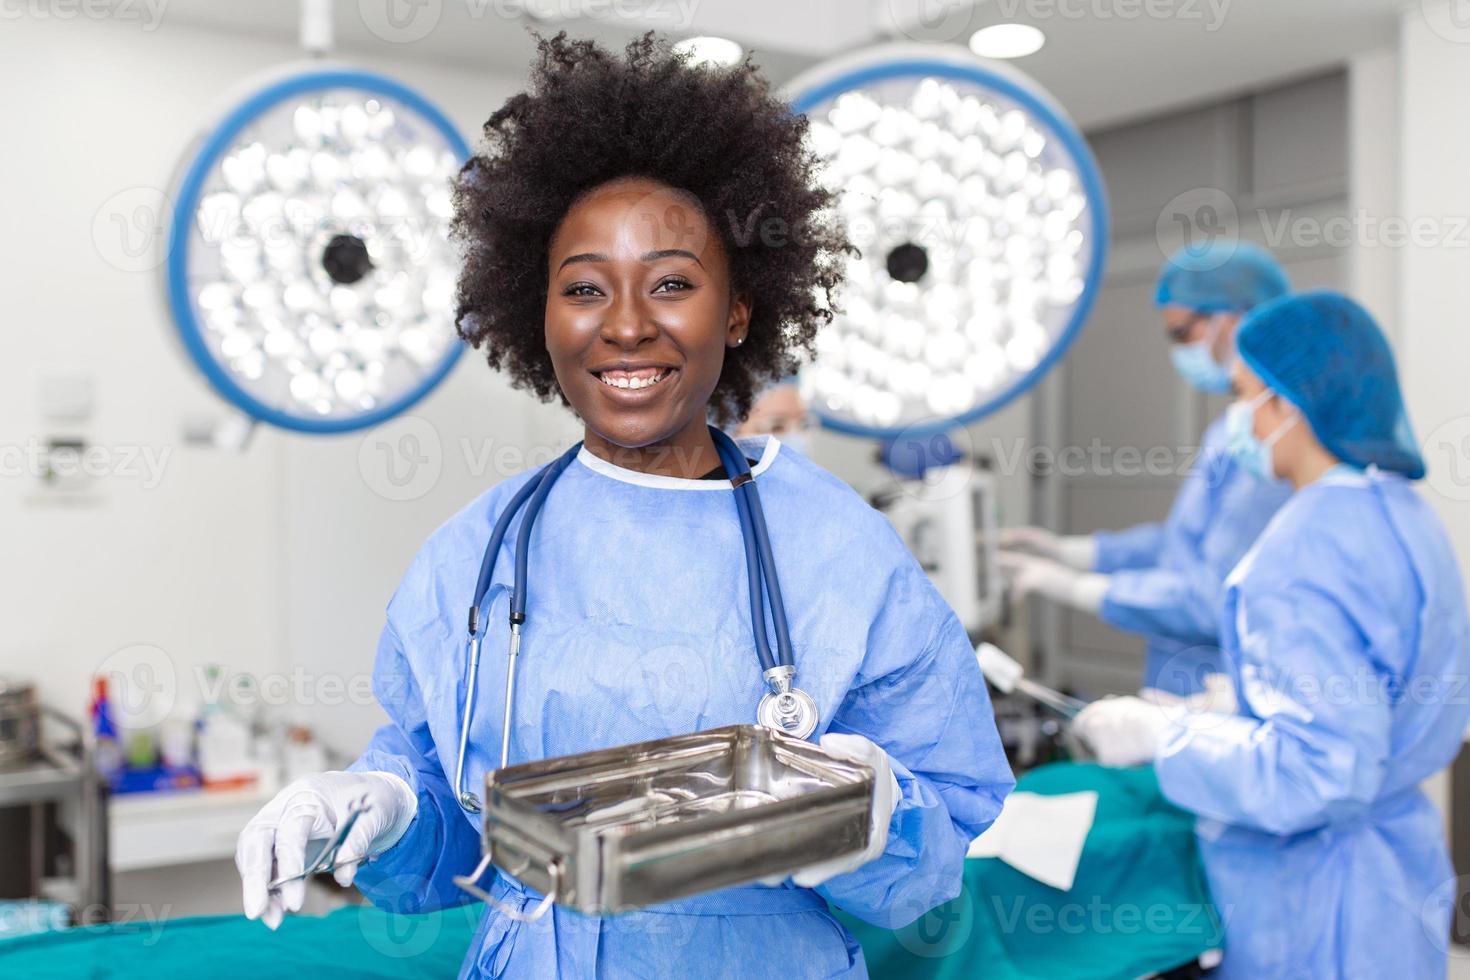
273,844
1216,697
885,801
1030,574
1125,731
1078,551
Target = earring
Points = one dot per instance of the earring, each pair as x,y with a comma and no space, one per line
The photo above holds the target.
739,341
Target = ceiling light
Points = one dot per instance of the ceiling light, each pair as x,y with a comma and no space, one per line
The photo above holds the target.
707,50
1007,41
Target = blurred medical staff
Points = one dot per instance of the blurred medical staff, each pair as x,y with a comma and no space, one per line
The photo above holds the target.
779,412
1346,635
1165,580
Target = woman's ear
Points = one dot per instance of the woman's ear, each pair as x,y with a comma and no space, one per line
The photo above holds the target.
738,325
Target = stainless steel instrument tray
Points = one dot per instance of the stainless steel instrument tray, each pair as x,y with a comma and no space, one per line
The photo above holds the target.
643,824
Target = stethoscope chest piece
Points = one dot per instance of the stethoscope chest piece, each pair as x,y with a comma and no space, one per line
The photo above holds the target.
787,709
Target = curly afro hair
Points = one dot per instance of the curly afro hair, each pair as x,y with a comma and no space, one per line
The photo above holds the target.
716,133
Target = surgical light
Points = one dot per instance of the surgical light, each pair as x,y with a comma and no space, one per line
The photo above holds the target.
310,271
982,224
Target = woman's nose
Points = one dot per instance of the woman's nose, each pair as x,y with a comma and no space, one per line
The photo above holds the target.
628,322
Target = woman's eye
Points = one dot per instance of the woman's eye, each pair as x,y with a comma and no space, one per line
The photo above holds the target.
673,285
581,289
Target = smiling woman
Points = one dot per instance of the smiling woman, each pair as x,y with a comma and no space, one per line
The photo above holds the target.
640,312
704,160
608,263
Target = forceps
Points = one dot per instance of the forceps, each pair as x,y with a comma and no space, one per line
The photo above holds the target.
325,859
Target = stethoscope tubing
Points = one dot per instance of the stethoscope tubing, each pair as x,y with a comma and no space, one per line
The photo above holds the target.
764,586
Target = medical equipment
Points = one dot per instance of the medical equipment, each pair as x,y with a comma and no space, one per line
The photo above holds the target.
20,723
982,225
785,708
948,520
324,861
624,828
1007,675
309,269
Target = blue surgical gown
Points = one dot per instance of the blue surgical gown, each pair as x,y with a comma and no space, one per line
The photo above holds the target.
638,627
1345,631
1166,581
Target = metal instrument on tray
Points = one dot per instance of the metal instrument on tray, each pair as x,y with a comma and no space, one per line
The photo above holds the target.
624,828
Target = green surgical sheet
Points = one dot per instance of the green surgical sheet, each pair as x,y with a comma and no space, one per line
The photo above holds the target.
1140,903
357,941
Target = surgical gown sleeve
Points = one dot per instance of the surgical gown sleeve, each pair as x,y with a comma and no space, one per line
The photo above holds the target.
920,696
1135,547
1180,603
415,874
1313,741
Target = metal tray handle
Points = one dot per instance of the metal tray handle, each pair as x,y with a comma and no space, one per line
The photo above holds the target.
471,884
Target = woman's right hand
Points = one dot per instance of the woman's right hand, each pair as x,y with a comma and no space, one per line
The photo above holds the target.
273,844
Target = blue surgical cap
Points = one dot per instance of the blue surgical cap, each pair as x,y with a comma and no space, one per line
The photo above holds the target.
1225,276
1324,353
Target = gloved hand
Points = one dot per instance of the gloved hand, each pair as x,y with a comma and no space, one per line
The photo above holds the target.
885,800
273,844
1125,731
1031,574
1078,551
1215,697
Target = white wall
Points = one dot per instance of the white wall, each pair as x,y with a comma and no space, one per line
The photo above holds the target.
1435,349
279,556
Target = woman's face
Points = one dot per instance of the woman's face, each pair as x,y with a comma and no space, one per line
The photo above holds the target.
639,311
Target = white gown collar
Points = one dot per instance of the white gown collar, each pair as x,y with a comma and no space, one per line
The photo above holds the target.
603,468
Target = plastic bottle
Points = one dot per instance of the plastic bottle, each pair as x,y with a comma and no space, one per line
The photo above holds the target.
107,754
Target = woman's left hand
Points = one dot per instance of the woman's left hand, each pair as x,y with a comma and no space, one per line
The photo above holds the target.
885,800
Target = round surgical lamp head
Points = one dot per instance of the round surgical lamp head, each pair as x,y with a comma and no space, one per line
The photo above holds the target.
310,271
981,218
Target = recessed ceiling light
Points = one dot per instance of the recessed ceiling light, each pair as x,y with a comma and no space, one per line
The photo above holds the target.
706,50
1007,41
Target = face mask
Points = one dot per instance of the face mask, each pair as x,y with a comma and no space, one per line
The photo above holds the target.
1253,455
796,440
1198,366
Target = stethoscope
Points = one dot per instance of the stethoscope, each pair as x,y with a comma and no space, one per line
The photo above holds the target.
784,707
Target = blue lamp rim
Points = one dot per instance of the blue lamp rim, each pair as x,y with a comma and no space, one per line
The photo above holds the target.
1088,173
190,189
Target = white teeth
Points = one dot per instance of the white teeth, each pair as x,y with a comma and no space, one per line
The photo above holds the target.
633,383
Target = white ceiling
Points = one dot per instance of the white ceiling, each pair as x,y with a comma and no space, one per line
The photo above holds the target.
1105,60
